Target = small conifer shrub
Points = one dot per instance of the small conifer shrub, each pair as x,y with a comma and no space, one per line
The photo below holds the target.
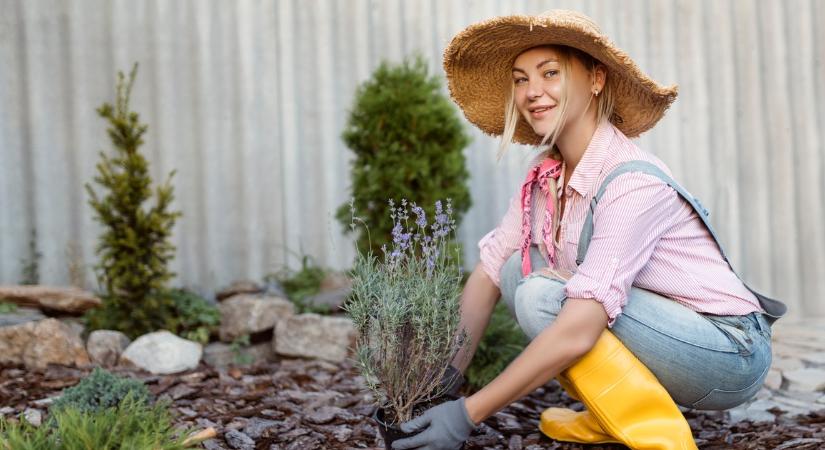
100,390
408,139
132,425
134,248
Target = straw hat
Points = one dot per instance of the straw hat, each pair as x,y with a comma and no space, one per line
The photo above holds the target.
479,60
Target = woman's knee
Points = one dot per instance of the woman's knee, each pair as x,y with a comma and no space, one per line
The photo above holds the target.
537,303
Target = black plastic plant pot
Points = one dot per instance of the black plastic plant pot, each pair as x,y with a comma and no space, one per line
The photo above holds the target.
390,433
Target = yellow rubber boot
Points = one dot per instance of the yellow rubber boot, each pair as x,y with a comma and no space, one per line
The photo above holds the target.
566,425
625,399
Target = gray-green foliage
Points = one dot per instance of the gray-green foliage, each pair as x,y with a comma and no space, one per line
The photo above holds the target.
405,307
502,342
133,425
100,390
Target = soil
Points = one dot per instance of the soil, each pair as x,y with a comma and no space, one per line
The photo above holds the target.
299,404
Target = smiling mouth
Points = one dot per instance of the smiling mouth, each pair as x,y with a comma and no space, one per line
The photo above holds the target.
540,111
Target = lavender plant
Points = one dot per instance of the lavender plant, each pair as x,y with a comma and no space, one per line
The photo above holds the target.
405,307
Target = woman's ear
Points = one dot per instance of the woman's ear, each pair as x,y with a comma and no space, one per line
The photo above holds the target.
599,77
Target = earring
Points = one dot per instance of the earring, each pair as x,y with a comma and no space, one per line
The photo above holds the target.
596,92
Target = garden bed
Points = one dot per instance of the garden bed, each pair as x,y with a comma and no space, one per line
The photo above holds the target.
300,404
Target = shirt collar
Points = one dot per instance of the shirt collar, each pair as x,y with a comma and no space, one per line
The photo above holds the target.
590,166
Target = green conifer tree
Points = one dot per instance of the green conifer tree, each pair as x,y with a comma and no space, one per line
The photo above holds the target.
408,141
134,248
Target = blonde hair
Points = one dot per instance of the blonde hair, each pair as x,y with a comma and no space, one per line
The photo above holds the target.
604,111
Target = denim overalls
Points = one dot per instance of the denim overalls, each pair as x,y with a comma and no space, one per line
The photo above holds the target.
704,361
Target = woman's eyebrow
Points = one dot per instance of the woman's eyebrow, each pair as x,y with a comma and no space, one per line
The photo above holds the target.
516,69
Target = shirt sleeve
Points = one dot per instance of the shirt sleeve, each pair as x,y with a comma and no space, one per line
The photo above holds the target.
500,243
631,217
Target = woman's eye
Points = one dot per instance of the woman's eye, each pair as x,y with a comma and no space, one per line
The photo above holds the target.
551,73
519,80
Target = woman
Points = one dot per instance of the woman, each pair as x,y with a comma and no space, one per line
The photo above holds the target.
601,256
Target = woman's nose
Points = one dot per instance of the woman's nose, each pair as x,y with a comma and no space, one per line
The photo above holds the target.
534,89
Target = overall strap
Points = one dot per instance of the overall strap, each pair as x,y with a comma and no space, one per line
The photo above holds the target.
774,308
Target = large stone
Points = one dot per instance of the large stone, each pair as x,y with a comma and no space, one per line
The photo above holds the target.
315,336
786,364
774,379
805,380
106,346
248,314
219,355
238,287
63,299
162,353
333,292
21,315
37,344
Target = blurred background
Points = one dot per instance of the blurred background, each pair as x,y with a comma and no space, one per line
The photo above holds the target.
247,101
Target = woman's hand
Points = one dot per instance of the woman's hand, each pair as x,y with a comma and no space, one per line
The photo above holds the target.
443,427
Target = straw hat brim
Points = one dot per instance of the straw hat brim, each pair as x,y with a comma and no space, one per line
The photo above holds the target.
479,59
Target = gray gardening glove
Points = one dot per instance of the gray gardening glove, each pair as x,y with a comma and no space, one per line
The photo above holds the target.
452,381
443,427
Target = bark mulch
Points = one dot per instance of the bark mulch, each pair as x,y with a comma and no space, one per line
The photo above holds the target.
301,405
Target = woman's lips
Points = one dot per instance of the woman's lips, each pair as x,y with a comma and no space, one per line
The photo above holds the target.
541,112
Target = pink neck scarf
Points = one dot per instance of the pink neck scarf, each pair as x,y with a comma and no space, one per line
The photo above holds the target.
540,174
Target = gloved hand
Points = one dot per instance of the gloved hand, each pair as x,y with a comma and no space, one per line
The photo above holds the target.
443,427
452,381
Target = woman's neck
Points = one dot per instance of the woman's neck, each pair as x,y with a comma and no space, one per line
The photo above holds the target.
573,142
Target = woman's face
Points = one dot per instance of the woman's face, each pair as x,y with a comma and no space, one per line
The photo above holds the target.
538,88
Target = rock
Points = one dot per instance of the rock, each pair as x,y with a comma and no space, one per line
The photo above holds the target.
816,358
162,353
786,364
6,410
221,355
239,287
36,344
774,379
33,416
21,315
247,314
333,291
756,412
238,440
805,380
75,323
315,336
105,346
63,299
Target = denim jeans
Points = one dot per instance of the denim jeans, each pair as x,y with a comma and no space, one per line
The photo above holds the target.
703,361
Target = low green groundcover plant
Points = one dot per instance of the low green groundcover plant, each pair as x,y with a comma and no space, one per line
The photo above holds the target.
101,390
405,307
301,285
132,425
502,342
7,307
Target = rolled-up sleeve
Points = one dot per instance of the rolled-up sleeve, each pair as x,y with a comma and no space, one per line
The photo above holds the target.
500,243
631,217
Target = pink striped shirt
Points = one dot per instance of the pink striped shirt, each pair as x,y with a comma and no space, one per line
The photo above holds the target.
644,234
